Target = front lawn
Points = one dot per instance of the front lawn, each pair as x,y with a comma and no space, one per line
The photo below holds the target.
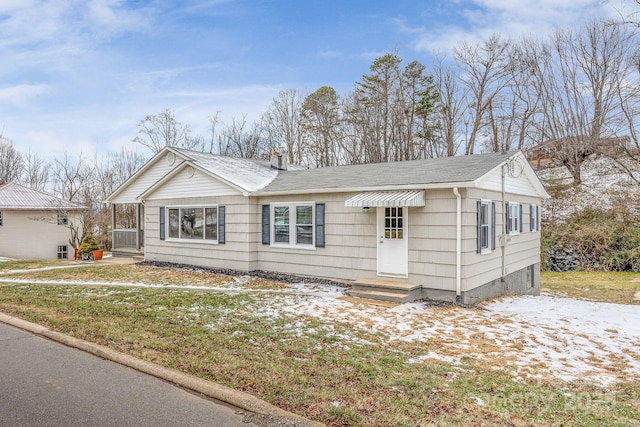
305,351
616,287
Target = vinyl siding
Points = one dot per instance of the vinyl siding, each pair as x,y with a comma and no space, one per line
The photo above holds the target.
520,185
351,238
192,183
34,235
236,253
153,174
350,248
521,250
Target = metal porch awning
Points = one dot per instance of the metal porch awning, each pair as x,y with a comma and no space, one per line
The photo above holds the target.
386,199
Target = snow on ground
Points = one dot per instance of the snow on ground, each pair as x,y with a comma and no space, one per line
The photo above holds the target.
604,183
530,336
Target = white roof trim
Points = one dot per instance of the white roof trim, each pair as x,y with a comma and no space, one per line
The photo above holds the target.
386,199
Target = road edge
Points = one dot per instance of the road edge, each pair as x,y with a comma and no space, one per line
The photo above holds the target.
210,389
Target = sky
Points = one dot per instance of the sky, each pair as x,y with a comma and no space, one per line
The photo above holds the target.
79,75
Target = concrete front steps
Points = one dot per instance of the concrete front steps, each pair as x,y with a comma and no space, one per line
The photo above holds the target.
385,290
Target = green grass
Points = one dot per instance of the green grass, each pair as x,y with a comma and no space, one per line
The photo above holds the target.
615,287
128,273
22,265
303,364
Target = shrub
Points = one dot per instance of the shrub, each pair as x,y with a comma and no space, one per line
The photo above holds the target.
88,245
593,239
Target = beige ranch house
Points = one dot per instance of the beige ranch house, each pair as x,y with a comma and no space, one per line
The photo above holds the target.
457,228
35,225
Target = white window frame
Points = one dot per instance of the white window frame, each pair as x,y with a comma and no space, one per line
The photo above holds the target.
63,252
514,213
293,225
63,219
204,239
535,212
488,225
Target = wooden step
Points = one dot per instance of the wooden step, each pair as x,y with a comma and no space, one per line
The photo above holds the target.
385,284
381,296
385,290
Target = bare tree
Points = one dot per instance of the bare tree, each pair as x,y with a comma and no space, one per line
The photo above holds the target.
11,162
577,76
241,139
163,130
37,172
213,123
281,124
484,74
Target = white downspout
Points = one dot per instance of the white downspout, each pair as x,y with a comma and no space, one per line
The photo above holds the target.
503,240
458,244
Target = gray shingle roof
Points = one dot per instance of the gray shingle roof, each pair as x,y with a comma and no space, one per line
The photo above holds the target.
415,172
15,196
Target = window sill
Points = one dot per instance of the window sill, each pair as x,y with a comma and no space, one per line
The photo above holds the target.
286,246
196,241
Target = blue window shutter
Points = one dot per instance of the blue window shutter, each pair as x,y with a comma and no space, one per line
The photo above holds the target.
520,217
493,225
162,223
319,225
531,217
479,226
507,226
266,227
221,224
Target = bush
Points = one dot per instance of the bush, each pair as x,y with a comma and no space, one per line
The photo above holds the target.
87,246
593,240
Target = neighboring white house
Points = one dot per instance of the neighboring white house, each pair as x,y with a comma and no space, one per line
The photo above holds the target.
35,225
457,228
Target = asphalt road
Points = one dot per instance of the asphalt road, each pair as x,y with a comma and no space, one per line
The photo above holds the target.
44,383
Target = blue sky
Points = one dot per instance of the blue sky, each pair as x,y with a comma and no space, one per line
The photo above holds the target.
78,75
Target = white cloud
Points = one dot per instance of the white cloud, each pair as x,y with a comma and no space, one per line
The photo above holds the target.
20,95
478,19
41,23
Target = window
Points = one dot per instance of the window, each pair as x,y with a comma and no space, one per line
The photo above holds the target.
62,252
281,224
534,218
304,225
393,223
293,224
193,223
62,219
486,226
513,222
0,217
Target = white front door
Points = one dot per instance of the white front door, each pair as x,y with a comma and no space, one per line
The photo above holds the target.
393,249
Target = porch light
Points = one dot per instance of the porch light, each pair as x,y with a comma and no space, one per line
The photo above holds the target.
365,210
